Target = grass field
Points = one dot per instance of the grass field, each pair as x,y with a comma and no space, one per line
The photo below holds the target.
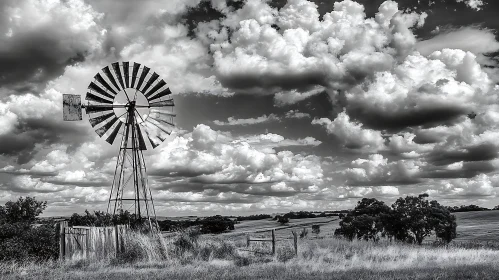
319,257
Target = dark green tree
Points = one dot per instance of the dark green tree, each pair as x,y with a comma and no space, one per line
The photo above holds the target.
414,212
24,210
444,223
283,220
364,221
20,240
419,217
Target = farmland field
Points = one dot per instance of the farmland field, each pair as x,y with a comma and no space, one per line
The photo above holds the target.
319,256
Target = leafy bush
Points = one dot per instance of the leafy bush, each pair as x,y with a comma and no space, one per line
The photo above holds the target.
20,238
254,217
283,220
24,210
216,224
467,208
410,219
103,219
316,229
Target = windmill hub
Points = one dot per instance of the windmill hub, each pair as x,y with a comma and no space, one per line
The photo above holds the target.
134,103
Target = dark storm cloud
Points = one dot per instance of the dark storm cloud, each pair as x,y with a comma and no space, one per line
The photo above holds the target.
211,199
22,142
179,173
242,188
34,174
29,63
482,152
35,51
469,170
262,83
389,182
77,183
397,121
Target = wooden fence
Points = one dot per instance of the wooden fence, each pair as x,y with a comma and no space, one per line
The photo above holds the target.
273,240
90,242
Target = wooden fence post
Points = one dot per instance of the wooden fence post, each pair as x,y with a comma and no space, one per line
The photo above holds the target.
273,242
295,241
247,240
117,239
62,239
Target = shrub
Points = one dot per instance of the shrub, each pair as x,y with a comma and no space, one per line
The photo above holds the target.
316,229
283,220
254,217
24,210
215,224
20,239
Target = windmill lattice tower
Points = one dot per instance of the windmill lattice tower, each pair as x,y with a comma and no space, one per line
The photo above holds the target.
136,104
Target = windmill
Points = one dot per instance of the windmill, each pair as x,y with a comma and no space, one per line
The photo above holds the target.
129,101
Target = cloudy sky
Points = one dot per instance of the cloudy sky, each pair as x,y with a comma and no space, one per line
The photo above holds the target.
281,105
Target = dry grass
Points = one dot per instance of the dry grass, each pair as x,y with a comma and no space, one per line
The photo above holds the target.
188,256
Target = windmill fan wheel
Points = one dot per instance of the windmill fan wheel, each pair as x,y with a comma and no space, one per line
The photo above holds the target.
123,95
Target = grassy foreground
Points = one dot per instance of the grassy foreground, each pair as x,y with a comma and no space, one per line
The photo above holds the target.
188,256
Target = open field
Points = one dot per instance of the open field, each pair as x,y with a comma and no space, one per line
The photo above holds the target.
323,257
479,226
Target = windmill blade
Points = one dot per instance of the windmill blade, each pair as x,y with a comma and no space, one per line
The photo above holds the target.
110,76
92,97
152,79
159,85
162,103
156,111
117,71
153,144
93,86
103,82
71,107
101,131
165,92
145,70
158,125
163,121
125,72
98,108
97,120
142,144
136,67
113,134
156,130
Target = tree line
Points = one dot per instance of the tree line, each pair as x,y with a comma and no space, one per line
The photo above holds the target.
410,219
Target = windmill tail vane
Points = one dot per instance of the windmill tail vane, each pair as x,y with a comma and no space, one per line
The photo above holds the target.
129,101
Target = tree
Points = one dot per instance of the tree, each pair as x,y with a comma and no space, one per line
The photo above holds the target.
414,213
410,219
443,222
23,210
364,221
283,220
19,239
419,217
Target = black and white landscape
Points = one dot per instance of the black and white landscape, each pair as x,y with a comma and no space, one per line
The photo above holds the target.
281,106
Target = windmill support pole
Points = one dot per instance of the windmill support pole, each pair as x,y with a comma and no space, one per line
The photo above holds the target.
122,157
131,123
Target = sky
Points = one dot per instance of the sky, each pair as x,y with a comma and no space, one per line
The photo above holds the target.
282,105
